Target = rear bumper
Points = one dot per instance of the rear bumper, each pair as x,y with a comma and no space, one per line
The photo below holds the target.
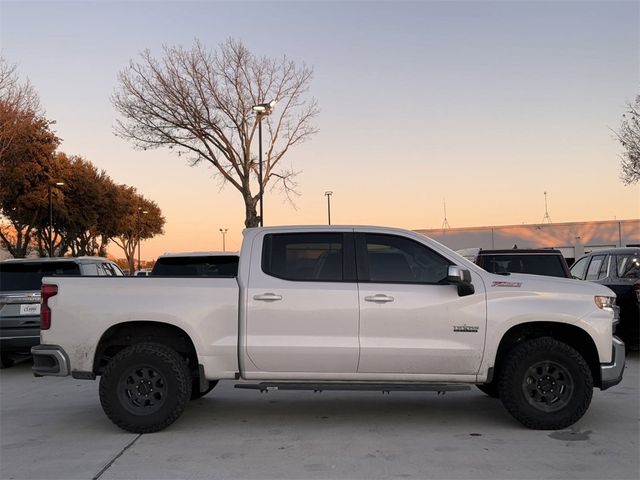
611,373
50,360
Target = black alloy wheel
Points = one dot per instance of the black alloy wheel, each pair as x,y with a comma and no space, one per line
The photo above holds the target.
548,386
145,387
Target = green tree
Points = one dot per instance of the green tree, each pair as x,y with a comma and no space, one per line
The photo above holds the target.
136,225
27,167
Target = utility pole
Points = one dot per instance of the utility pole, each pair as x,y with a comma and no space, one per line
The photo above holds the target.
328,195
223,231
546,210
140,212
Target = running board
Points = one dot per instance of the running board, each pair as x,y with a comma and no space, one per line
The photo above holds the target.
360,387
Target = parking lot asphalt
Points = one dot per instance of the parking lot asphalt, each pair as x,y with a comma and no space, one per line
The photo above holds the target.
54,428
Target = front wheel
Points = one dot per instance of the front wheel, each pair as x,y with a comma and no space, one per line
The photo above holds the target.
145,387
545,384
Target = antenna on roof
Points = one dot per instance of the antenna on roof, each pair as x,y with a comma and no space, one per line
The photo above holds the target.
445,223
546,211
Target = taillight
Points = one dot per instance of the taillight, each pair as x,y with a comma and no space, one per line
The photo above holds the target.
47,292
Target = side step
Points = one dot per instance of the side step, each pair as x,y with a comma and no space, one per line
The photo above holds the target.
360,387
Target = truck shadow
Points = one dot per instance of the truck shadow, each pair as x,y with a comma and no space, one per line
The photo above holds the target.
360,410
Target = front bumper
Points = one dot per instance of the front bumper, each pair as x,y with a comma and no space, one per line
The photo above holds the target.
50,360
611,373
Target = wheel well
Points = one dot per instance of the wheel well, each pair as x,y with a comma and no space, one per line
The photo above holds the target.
569,334
123,335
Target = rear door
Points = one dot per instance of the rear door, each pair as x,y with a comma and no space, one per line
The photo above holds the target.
411,320
302,307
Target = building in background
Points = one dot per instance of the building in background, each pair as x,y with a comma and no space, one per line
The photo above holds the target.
573,239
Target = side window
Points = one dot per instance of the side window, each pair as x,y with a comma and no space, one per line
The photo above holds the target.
393,259
604,268
316,257
579,268
594,267
90,269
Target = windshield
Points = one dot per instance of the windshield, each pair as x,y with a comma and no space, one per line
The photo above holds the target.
28,276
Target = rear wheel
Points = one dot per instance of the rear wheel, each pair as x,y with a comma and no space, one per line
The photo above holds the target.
145,387
545,384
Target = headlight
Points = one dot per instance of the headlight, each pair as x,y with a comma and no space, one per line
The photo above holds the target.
604,302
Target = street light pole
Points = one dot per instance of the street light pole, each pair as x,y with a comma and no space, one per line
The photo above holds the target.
328,195
223,231
57,184
140,211
262,110
260,172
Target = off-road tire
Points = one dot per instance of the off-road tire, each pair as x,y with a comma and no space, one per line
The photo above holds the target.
145,366
545,384
490,389
195,388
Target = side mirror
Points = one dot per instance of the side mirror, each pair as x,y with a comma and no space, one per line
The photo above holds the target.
462,278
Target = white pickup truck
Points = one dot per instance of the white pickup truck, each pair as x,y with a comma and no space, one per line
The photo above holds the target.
341,308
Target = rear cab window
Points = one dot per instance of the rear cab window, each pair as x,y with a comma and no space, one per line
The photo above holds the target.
306,257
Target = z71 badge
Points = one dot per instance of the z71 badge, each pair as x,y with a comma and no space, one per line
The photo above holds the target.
465,328
507,284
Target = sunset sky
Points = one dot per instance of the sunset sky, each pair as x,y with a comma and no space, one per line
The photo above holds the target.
484,104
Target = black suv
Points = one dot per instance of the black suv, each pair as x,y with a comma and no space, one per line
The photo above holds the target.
549,262
618,269
20,281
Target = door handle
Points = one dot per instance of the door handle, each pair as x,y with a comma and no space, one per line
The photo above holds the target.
267,297
379,298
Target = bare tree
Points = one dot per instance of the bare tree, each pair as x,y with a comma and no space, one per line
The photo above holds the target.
629,137
199,102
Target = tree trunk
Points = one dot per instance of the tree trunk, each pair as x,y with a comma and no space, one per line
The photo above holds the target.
251,215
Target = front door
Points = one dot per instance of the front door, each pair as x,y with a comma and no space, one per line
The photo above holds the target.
411,320
302,305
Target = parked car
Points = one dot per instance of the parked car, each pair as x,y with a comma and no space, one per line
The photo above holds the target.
20,296
542,261
334,308
618,269
144,272
196,264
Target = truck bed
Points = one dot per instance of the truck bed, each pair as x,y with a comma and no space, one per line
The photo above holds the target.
88,306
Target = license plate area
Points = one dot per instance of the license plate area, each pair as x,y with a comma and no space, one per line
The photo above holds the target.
30,309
